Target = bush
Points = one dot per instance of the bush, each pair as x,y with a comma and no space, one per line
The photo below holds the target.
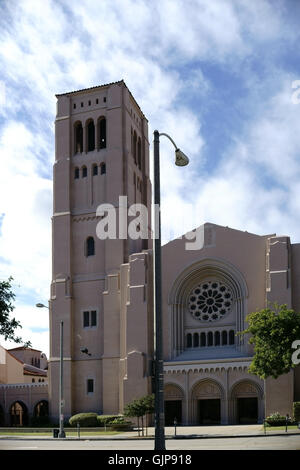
120,424
296,411
84,419
105,420
276,419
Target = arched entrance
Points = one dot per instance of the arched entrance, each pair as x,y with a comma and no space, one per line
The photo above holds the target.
207,403
18,414
246,403
2,420
41,412
173,404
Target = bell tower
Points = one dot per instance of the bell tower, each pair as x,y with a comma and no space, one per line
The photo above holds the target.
101,154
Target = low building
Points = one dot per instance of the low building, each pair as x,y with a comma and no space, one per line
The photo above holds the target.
23,386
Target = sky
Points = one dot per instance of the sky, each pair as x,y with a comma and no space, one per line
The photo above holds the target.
220,76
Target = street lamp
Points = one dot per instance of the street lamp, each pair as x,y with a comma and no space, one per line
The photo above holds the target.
61,375
180,160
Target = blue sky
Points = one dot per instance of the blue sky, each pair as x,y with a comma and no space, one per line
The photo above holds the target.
216,75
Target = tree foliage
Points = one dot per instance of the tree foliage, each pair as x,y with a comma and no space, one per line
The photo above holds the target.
272,333
7,325
139,408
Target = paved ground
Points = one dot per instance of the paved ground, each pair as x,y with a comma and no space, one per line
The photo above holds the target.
187,438
285,442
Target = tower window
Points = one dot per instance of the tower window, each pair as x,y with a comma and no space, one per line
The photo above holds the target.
76,173
90,246
86,319
231,337
95,170
139,152
102,132
209,339
97,101
89,103
91,136
134,142
81,104
78,138
104,99
84,172
90,385
89,318
102,168
74,105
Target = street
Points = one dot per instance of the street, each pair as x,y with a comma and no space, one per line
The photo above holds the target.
284,442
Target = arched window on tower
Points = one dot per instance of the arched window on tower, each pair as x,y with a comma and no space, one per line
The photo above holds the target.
134,143
90,132
90,246
231,337
189,340
203,339
217,338
102,132
76,173
139,153
102,168
84,171
95,169
210,340
78,131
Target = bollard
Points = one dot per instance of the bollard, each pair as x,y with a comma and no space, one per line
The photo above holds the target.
175,424
78,430
287,418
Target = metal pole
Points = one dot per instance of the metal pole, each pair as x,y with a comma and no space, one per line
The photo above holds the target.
61,370
158,346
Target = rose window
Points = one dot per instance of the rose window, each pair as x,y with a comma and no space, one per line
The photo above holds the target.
210,301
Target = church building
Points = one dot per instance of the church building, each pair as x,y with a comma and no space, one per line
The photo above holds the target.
102,288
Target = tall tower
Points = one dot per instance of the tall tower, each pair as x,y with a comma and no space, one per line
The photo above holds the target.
101,153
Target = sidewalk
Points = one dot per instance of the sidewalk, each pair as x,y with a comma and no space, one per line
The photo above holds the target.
182,432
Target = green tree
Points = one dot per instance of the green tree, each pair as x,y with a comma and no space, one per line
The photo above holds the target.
7,325
139,408
272,333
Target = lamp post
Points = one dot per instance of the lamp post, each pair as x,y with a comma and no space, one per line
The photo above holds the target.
61,375
180,160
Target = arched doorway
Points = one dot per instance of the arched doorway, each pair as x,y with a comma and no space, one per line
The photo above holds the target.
207,401
18,414
173,404
2,419
246,403
41,412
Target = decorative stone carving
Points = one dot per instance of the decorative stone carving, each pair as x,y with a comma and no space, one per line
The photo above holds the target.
210,301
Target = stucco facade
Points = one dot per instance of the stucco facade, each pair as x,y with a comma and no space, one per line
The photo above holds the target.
23,386
102,288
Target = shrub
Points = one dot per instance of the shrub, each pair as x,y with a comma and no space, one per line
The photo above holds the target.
296,411
276,419
84,419
120,424
105,420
